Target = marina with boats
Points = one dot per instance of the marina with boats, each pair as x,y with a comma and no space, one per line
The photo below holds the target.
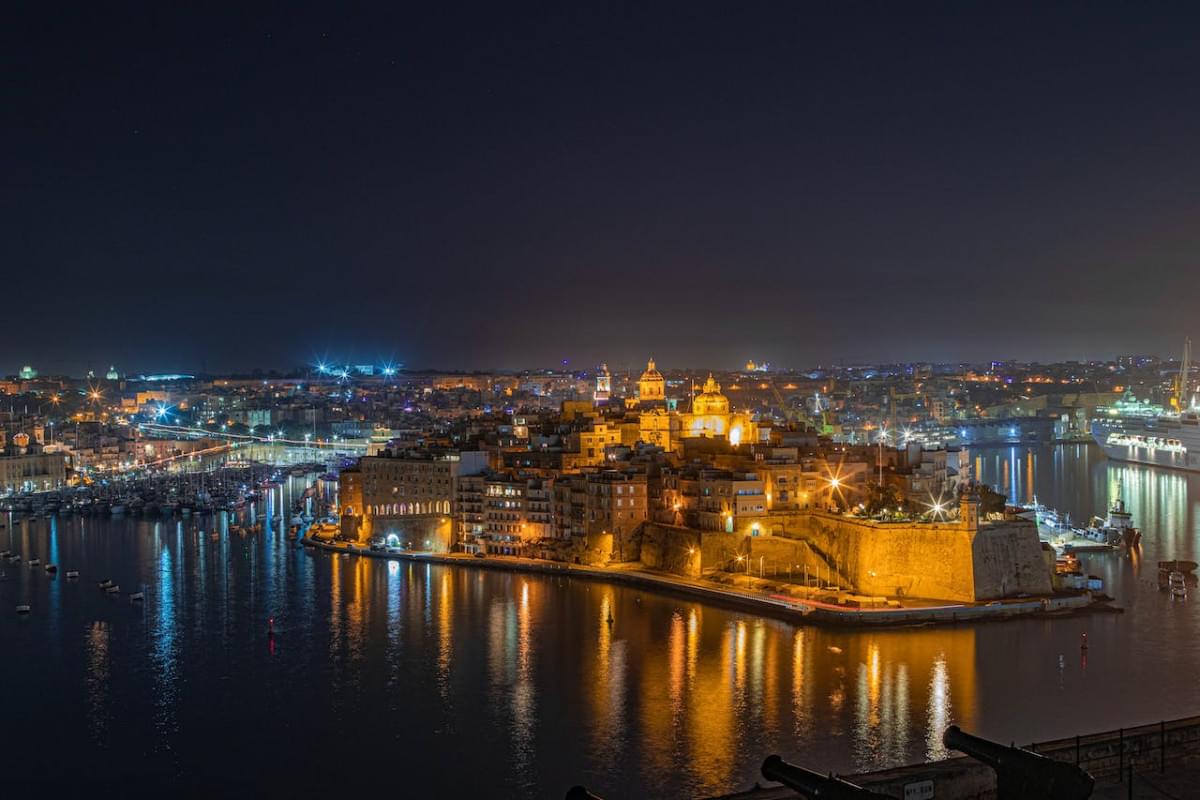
226,488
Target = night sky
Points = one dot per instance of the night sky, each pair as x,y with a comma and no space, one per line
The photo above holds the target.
509,185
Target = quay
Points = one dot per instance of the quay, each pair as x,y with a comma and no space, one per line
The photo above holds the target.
789,609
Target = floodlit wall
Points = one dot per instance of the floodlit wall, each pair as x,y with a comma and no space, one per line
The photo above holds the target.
935,561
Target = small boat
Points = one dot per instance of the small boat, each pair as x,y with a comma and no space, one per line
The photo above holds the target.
33,562
72,573
112,589
51,568
137,597
1177,584
23,609
104,584
14,557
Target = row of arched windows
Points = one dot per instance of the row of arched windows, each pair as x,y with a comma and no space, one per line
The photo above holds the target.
408,509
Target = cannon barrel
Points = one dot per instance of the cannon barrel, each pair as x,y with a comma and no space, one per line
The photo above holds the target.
813,784
580,793
1021,774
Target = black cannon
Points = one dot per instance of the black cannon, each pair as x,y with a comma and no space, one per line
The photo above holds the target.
1020,774
580,793
813,784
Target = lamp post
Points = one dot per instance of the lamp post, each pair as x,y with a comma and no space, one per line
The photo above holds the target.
883,434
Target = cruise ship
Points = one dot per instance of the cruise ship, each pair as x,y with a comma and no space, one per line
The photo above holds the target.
1130,430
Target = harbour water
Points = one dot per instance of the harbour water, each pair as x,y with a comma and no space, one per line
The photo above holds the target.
437,680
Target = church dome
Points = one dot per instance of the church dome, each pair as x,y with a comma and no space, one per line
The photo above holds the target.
711,401
652,387
651,373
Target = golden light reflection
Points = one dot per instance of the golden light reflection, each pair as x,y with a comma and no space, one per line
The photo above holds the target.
523,691
608,682
801,694
1029,476
938,712
445,630
677,658
335,604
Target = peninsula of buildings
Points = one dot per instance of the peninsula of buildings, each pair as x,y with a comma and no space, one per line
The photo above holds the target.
846,487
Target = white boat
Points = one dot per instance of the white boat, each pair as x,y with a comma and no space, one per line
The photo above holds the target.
1177,584
72,573
104,584
51,568
23,609
33,562
112,589
1147,434
137,597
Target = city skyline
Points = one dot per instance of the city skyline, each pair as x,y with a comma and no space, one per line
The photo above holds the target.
506,188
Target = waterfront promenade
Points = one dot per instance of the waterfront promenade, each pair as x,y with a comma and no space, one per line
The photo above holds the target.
779,606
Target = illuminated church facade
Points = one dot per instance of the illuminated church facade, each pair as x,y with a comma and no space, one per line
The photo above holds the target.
707,415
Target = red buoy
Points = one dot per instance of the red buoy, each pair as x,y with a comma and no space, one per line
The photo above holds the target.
1083,642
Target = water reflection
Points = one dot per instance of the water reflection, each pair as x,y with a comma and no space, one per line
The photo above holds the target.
96,679
542,683
164,648
938,713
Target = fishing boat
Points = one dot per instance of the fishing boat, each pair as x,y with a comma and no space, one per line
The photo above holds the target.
23,609
137,597
72,573
114,589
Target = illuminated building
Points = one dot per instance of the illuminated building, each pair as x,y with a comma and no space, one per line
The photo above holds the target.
27,373
713,499
603,385
652,387
710,417
605,502
592,443
660,427
408,496
31,472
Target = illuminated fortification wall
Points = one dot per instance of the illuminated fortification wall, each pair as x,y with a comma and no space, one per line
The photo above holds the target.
947,561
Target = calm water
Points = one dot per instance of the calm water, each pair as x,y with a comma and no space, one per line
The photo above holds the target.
447,680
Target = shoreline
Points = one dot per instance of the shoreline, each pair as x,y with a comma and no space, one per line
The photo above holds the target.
791,610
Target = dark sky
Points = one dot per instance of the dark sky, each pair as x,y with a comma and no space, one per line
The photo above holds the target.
509,185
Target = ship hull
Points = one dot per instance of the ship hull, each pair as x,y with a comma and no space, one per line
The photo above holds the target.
1140,443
